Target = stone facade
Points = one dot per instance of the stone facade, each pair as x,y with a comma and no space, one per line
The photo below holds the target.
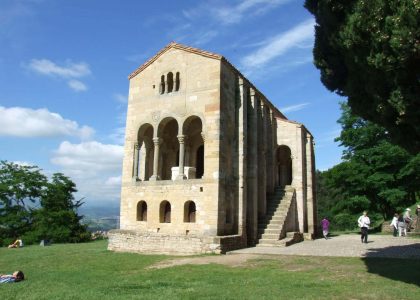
205,151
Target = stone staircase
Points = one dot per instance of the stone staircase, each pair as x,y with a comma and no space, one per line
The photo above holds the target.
272,230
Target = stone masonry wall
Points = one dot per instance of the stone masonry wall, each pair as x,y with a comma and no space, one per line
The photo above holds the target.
154,243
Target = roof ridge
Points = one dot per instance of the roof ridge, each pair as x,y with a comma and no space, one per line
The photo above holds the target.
175,45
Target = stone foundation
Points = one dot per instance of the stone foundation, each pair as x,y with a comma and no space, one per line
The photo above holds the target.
155,243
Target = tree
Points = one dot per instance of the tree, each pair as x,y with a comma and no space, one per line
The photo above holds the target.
34,208
57,219
375,175
20,188
369,51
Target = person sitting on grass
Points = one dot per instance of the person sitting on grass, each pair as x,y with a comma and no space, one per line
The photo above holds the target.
15,277
17,244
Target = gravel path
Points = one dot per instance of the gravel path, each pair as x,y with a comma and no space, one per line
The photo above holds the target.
343,245
348,246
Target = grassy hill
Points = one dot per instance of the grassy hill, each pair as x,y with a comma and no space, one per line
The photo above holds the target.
89,271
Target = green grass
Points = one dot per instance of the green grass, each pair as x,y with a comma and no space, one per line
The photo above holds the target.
89,271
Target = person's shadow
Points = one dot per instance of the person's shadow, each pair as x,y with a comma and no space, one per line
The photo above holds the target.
388,262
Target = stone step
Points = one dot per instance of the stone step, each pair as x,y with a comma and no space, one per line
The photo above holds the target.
271,231
270,236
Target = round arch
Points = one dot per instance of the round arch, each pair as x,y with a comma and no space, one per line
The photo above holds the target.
165,212
189,212
141,211
192,128
169,147
284,165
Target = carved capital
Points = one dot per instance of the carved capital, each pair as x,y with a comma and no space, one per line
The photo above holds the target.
241,81
157,141
181,138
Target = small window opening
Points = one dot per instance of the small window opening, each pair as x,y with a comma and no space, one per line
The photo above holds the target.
189,212
177,82
162,84
142,211
170,82
165,212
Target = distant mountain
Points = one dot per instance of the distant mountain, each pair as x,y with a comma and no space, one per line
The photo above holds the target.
100,218
99,211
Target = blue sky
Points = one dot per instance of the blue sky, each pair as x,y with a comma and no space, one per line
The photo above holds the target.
64,67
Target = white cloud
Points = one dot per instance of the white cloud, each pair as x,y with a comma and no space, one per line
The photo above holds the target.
70,70
113,181
234,14
77,85
121,98
88,158
23,163
118,135
94,167
280,44
27,122
295,107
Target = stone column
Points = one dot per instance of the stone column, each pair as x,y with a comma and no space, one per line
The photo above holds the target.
242,156
156,141
136,162
181,140
262,205
269,150
142,163
252,171
309,184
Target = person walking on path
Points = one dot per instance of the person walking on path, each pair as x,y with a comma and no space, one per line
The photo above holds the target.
325,227
418,217
364,223
394,224
402,226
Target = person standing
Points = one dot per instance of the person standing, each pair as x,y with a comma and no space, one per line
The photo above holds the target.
407,218
325,227
394,224
364,223
418,217
402,226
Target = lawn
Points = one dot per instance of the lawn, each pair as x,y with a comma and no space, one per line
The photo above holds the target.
89,271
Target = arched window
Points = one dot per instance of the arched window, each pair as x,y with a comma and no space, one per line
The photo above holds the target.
195,146
177,82
284,161
170,82
143,157
189,212
165,212
142,211
162,84
168,131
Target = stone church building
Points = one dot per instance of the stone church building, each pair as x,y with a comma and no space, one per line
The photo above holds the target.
210,164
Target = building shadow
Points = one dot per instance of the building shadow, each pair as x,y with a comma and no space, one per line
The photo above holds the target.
399,263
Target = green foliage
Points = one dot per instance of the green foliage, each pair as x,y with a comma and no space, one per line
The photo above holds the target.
33,208
375,175
369,50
